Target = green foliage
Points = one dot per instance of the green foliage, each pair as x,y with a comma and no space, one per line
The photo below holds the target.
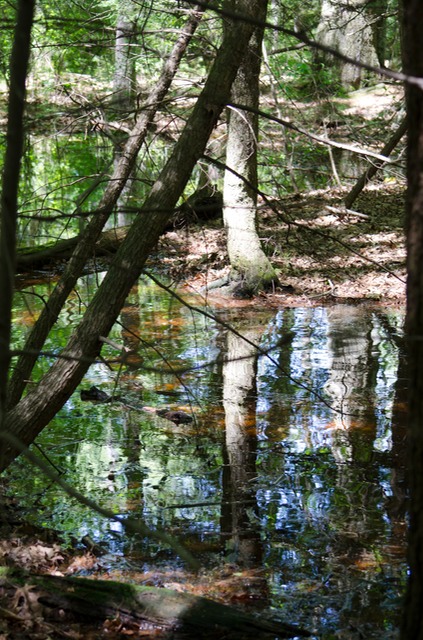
55,172
311,80
7,24
74,37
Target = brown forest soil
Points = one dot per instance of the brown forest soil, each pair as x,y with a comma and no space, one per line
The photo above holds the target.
323,254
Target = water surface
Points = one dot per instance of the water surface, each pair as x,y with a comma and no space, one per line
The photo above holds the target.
291,471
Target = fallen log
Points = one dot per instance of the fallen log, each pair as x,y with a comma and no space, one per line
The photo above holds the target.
165,608
36,257
202,206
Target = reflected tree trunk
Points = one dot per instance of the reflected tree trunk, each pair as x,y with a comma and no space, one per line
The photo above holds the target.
399,435
397,504
352,388
239,523
347,383
130,319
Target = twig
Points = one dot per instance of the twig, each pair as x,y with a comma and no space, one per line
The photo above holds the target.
378,164
313,136
343,211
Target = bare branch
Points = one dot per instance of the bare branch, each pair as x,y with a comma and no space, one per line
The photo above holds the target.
374,168
313,136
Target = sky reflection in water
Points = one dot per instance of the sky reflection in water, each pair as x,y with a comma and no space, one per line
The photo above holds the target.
297,469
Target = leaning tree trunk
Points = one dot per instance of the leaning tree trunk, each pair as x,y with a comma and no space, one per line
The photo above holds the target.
412,626
87,240
40,405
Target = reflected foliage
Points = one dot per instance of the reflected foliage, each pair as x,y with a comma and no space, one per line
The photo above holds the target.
322,496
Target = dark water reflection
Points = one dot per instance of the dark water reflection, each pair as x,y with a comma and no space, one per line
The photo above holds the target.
293,462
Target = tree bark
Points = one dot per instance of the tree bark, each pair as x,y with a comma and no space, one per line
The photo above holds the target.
345,26
249,263
378,10
124,81
36,257
412,625
10,183
40,405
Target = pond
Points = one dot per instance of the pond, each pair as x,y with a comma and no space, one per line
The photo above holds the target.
288,484
64,174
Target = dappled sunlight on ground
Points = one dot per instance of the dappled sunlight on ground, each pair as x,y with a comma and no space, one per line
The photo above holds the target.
321,257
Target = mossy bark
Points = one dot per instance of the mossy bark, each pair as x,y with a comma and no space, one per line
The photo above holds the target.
164,607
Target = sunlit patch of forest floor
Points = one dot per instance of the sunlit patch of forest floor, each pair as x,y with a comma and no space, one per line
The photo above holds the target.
322,253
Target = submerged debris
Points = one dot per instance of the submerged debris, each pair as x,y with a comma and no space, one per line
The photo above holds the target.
94,394
178,417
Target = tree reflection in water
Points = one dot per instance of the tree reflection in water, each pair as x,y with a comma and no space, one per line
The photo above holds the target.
293,467
240,527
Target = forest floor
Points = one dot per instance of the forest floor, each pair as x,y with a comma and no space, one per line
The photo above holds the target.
322,253
324,256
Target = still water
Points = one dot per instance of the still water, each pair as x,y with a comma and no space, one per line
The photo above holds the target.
291,470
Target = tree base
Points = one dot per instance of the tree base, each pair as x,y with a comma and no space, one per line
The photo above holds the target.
247,285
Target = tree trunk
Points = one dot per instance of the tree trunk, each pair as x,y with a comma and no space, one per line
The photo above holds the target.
412,626
40,405
29,258
173,610
345,26
10,183
378,10
248,261
124,81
